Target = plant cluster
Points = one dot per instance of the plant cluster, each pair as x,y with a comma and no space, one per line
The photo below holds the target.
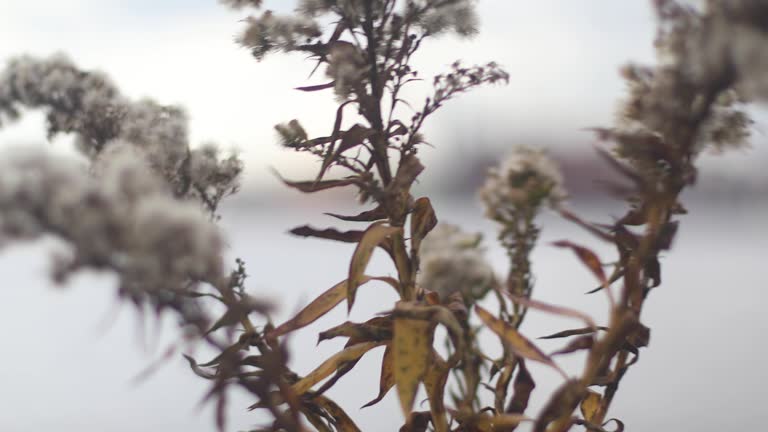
145,209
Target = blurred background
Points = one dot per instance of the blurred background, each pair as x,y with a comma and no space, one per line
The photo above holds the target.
69,357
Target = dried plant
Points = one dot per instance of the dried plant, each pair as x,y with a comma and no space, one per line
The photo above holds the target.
145,206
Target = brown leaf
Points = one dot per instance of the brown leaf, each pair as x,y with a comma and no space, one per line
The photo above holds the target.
373,236
367,216
574,332
352,138
580,343
317,308
202,373
592,228
423,220
590,405
329,234
564,400
315,186
435,379
317,87
502,385
587,257
523,387
331,365
341,420
375,329
412,347
518,343
387,378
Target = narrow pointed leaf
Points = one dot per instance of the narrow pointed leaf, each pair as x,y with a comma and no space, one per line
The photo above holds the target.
587,257
329,234
518,343
387,377
331,365
580,343
367,216
317,308
317,87
574,332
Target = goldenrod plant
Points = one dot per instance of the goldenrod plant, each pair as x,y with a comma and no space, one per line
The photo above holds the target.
144,205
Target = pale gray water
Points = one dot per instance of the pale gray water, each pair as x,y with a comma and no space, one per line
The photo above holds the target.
63,370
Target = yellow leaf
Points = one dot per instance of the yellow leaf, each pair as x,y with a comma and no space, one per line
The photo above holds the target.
590,405
434,383
412,346
322,305
373,236
350,354
518,343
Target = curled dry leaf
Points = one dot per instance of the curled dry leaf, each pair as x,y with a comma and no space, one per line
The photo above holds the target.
423,220
333,363
373,236
590,405
518,343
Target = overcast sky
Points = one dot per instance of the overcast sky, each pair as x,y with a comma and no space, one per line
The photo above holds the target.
562,56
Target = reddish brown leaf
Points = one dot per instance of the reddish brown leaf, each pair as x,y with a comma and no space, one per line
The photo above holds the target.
580,343
587,257
367,216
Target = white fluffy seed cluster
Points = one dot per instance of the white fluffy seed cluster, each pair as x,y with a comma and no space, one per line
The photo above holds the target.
527,178
270,32
452,261
119,216
87,105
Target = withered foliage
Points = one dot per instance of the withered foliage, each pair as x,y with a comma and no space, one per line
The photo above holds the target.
688,102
